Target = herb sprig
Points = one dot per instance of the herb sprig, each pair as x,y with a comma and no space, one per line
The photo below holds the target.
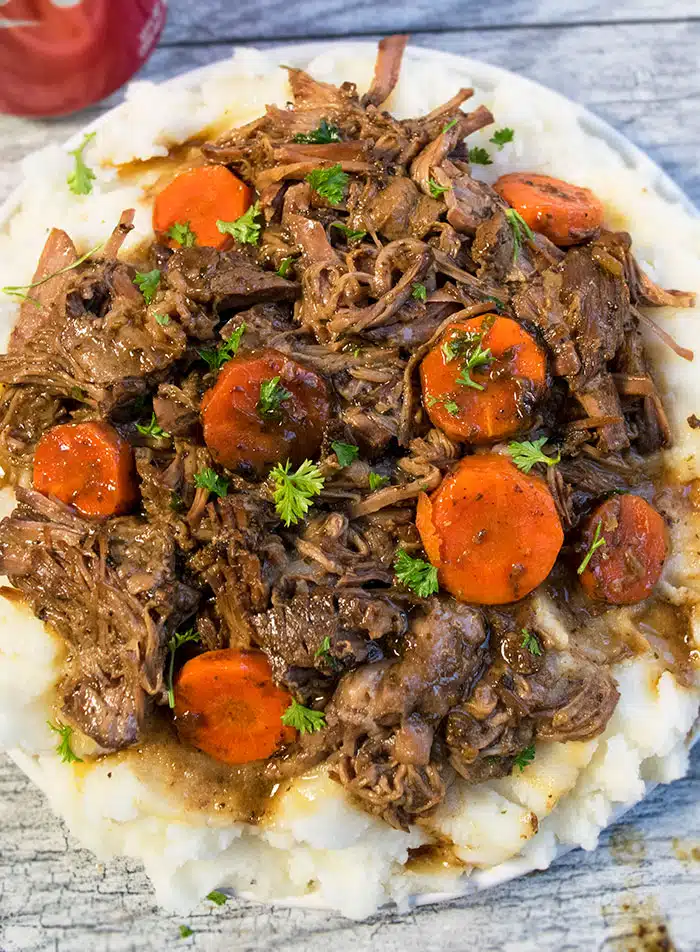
419,292
181,233
174,643
346,452
524,758
216,357
419,576
207,479
376,481
245,229
437,190
18,290
329,183
596,543
153,429
501,137
147,282
479,156
272,396
294,491
520,229
81,178
531,643
303,719
527,454
324,133
349,233
63,748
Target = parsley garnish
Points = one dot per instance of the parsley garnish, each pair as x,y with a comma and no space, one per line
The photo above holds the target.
497,303
349,233
63,748
182,234
479,156
346,452
174,643
501,136
519,227
376,481
531,642
162,319
448,403
421,577
435,189
17,290
272,395
293,491
217,897
477,357
419,292
147,282
325,650
449,125
524,758
329,183
529,452
326,132
185,932
207,479
285,265
305,720
217,356
152,429
245,229
598,541
81,178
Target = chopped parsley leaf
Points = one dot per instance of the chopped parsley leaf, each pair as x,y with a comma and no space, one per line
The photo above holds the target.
419,576
531,642
449,125
376,481
185,932
216,357
17,290
329,183
477,357
419,292
479,156
147,282
448,403
245,229
349,233
501,137
346,452
81,178
272,396
285,265
207,479
182,234
304,719
524,758
174,643
498,304
519,228
293,492
326,132
217,897
63,748
437,190
152,429
162,319
526,454
598,541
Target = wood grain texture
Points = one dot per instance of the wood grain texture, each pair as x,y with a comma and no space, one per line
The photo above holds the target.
638,68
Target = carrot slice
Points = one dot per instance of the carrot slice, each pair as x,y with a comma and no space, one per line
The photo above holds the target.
503,389
625,567
227,705
199,197
240,436
88,465
564,213
492,532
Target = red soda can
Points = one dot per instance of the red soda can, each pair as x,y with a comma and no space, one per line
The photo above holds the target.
58,56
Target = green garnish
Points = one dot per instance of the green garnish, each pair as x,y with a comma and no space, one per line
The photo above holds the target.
294,491
497,303
501,136
376,481
81,178
217,897
162,319
450,124
598,541
419,292
524,758
435,189
526,454
304,719
531,642
519,227
216,357
447,402
477,357
326,132
285,265
329,183
174,643
245,229
182,234
346,452
147,282
185,932
152,429
17,290
479,156
421,577
349,233
63,748
207,479
325,649
272,396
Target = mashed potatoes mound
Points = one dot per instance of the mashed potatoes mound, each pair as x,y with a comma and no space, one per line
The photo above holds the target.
317,847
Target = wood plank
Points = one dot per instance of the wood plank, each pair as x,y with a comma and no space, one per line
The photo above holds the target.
210,20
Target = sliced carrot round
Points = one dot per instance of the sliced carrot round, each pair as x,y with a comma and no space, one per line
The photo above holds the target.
87,465
626,565
227,705
240,435
504,387
492,532
564,213
199,197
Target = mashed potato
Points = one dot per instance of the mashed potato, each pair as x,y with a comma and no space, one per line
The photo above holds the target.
317,847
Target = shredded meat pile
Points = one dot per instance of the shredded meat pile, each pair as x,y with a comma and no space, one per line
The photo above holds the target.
414,690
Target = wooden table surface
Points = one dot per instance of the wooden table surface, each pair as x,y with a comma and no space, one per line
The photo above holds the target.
636,63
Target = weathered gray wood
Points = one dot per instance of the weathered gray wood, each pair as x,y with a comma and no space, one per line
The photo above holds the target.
641,76
275,19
